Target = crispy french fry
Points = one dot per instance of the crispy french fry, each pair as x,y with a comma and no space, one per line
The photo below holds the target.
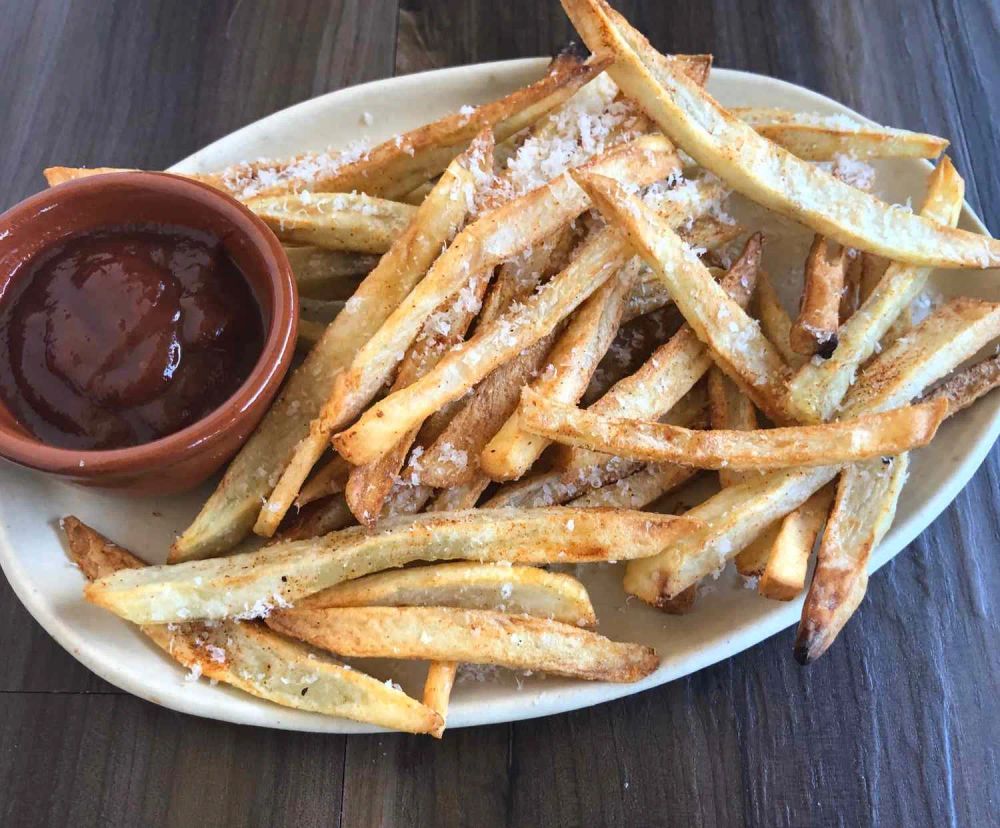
328,480
397,274
637,490
816,390
327,274
320,517
546,488
823,138
519,642
401,164
437,690
257,661
59,175
728,409
815,329
843,441
963,389
862,514
495,237
251,584
672,370
774,320
760,169
738,347
458,498
524,590
335,221
784,576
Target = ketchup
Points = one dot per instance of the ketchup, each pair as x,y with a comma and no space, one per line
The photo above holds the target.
124,335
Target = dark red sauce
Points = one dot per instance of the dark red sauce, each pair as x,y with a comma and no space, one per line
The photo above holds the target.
125,335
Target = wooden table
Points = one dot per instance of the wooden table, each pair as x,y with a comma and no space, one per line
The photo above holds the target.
898,725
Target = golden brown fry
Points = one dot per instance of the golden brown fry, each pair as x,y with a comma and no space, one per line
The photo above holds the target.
673,369
774,320
784,576
335,221
637,490
437,690
824,137
251,584
728,409
816,390
59,175
320,517
862,514
463,496
838,442
526,590
815,329
328,480
963,389
256,660
519,642
761,170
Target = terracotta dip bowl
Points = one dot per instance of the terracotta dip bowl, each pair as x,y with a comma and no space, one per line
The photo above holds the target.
185,458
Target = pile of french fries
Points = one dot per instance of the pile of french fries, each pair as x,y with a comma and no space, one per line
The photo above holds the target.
466,286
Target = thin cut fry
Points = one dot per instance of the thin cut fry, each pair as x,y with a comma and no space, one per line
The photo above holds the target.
839,442
963,389
437,690
524,590
815,329
824,138
738,346
335,221
784,576
862,514
774,320
637,490
328,480
320,517
323,274
817,390
760,169
458,498
519,642
257,661
251,584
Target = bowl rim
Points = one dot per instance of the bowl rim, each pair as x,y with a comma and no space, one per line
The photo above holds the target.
270,367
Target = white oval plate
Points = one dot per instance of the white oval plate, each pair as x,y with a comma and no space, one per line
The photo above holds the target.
728,619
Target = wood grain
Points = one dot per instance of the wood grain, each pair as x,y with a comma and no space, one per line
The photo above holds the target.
897,725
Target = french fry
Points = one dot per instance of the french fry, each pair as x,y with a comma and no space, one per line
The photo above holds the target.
252,584
862,514
525,590
774,320
637,490
231,511
843,441
437,690
328,480
458,498
760,169
320,517
308,333
738,347
335,221
815,329
963,389
672,370
59,175
324,274
546,488
784,576
823,138
518,642
399,165
495,237
816,390
257,661
398,273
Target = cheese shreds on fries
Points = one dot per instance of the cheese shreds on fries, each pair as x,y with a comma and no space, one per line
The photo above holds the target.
519,642
254,583
541,304
760,169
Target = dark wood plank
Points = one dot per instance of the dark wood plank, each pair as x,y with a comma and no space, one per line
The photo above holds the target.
113,760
